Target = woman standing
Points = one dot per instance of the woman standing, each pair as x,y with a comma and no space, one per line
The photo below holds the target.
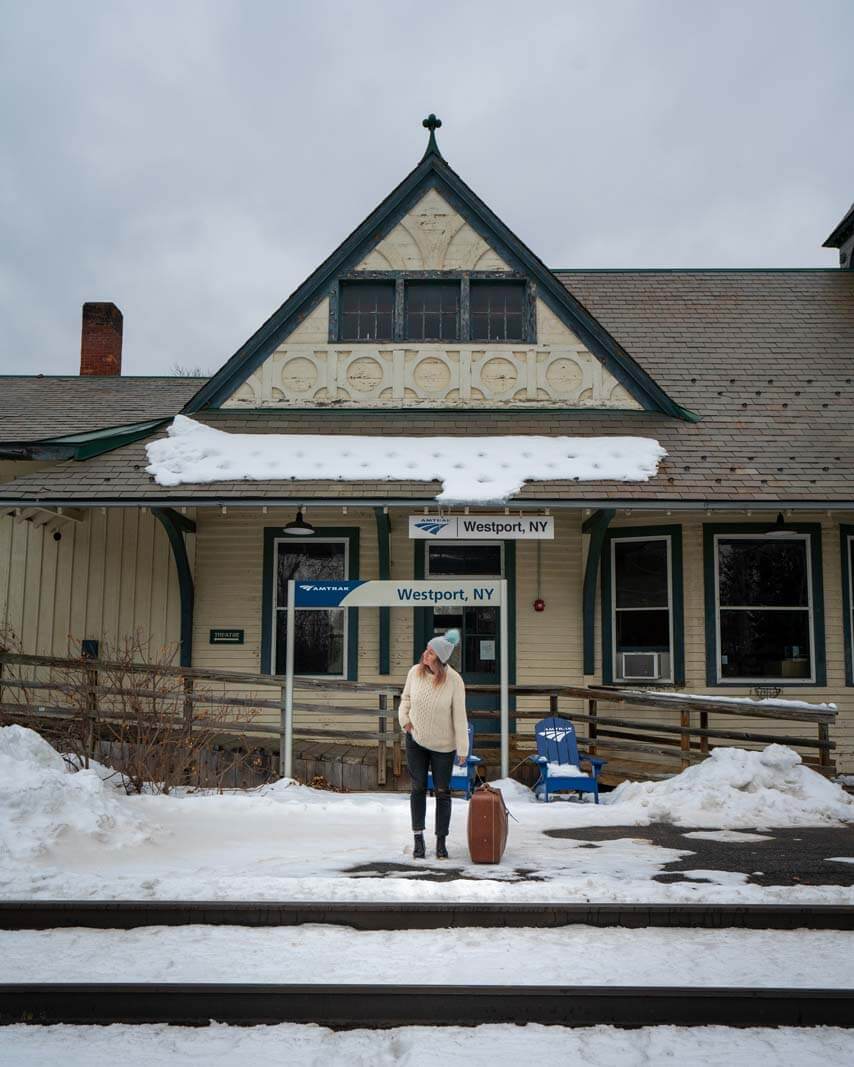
433,714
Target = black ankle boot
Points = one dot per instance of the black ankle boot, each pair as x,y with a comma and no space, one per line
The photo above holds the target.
441,850
418,852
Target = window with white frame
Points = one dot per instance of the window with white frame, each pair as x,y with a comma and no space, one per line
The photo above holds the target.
764,615
320,638
642,608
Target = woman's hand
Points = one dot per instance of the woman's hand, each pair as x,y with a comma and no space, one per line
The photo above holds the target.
408,728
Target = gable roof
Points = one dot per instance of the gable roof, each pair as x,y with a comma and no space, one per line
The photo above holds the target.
769,367
434,173
48,408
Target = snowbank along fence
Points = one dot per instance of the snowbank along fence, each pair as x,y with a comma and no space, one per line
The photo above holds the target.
611,722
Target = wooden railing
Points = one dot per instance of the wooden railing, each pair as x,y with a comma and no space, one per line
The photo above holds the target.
684,738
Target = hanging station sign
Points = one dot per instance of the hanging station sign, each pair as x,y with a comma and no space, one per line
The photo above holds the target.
482,527
358,593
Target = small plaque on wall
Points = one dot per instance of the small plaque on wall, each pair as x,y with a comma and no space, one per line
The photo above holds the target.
226,637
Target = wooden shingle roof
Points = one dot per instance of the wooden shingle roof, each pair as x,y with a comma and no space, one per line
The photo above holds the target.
765,358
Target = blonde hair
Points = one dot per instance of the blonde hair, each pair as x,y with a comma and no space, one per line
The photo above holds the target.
439,672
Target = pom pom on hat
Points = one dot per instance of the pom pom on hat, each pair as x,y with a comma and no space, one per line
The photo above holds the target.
444,644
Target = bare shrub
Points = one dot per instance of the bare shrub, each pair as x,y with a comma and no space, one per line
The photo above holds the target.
131,711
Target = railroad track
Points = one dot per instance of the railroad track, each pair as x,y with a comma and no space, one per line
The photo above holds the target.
128,914
382,1006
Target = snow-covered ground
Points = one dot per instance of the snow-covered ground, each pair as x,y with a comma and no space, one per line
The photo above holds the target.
572,955
72,835
419,1046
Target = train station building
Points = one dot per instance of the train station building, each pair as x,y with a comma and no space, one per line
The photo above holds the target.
659,462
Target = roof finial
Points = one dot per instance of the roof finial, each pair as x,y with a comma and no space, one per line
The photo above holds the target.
432,124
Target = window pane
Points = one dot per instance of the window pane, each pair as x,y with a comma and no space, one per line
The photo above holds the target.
765,644
640,574
318,641
497,311
643,631
367,311
766,572
304,561
433,311
465,559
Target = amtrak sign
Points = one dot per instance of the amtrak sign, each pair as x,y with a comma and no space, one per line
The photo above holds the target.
481,527
382,594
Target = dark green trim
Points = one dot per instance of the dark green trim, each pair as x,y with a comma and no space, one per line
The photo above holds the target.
112,440
80,446
174,523
384,561
344,533
596,526
677,596
844,533
710,531
421,630
433,173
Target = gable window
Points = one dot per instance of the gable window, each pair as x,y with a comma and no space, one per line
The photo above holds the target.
419,306
641,603
497,311
367,311
764,610
432,311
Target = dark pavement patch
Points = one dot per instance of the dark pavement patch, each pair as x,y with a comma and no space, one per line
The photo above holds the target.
792,856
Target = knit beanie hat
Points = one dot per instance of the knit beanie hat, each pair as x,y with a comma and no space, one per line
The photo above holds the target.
445,644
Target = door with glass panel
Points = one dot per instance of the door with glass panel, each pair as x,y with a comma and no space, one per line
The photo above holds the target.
477,655
320,638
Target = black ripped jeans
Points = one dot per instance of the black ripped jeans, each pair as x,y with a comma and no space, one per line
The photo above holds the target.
418,761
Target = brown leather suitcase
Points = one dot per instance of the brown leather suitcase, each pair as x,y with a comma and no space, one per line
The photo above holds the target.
487,825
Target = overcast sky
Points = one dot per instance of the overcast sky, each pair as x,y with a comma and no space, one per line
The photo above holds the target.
194,161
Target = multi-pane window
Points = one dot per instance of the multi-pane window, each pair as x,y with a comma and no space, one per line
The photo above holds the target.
433,311
320,634
367,311
764,608
641,594
477,654
497,311
382,309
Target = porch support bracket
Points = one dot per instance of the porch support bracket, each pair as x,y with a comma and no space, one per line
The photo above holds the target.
176,525
596,526
384,552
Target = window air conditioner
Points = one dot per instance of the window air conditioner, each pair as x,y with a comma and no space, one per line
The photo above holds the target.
640,665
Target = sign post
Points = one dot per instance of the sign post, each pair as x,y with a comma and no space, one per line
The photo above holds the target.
424,593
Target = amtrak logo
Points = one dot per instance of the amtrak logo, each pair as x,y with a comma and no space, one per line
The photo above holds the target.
432,526
552,734
324,588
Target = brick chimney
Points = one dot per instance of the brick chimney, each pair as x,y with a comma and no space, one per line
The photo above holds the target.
101,340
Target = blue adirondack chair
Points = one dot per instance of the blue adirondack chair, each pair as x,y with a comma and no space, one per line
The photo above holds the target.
557,750
462,778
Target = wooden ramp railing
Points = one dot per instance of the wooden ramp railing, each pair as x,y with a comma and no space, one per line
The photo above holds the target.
653,733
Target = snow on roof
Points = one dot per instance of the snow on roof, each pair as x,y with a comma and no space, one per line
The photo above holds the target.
470,468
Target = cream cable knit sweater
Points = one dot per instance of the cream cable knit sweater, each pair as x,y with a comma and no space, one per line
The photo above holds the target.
437,712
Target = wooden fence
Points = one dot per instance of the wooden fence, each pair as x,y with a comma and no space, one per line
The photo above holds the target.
683,731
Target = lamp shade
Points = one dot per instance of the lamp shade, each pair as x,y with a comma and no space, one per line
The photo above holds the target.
298,527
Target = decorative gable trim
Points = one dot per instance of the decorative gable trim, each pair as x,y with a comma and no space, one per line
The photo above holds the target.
433,173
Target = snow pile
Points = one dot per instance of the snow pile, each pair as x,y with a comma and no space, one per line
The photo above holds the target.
739,788
41,799
471,468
